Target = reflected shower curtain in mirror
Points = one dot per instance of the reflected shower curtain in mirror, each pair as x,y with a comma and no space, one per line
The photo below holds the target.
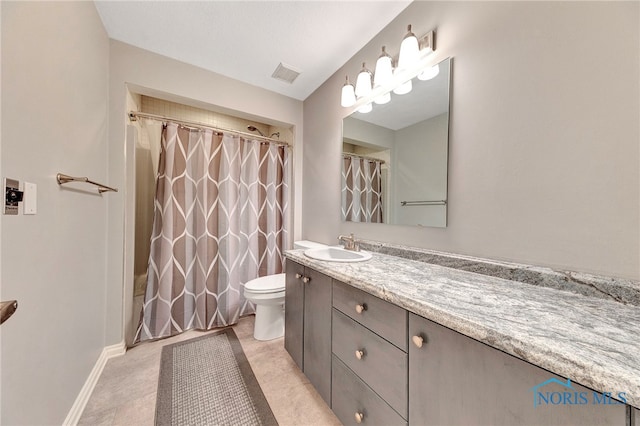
361,189
220,219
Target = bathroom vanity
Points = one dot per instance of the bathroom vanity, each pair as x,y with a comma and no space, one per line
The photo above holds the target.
398,341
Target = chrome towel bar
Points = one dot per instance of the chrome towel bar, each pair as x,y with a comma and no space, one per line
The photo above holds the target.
62,179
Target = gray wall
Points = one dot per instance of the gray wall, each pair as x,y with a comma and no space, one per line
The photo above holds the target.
54,119
543,164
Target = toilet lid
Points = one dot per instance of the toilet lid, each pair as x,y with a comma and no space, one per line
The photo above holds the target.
266,284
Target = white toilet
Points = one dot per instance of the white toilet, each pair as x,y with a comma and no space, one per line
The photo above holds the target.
267,293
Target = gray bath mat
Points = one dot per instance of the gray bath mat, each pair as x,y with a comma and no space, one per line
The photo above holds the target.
208,381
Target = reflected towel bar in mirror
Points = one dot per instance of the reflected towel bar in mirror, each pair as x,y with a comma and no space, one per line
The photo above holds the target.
62,179
424,203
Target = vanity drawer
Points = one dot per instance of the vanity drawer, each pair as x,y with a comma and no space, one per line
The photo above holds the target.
387,320
351,397
377,362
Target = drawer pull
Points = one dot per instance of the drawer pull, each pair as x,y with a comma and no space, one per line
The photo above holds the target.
359,354
361,308
418,341
306,279
298,276
359,417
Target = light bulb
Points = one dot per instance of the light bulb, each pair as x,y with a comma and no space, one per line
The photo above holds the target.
348,98
365,108
363,82
429,73
404,88
409,50
384,70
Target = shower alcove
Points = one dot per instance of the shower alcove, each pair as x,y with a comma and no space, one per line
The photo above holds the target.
144,141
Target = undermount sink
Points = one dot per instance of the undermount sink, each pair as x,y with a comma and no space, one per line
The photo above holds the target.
337,254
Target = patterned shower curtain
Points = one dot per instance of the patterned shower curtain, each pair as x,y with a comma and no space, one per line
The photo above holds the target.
361,189
220,220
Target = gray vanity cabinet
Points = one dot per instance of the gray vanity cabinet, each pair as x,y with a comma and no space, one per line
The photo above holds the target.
307,333
456,380
635,416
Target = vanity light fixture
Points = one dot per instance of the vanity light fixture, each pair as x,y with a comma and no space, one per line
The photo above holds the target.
348,98
377,87
384,69
363,82
383,75
409,50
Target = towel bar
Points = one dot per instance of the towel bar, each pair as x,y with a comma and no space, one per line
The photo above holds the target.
62,179
7,309
424,203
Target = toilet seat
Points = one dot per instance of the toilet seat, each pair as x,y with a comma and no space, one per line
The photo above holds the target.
266,284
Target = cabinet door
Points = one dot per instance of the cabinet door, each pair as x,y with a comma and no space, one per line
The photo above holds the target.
635,419
294,312
456,380
317,332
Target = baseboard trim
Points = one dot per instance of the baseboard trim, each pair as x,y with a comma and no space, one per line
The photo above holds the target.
83,397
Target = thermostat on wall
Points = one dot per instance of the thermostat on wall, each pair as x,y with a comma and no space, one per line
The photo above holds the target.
12,196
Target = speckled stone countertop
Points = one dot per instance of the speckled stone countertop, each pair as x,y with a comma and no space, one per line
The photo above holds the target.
617,289
591,340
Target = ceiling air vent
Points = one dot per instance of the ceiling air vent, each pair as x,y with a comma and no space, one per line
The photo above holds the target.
285,73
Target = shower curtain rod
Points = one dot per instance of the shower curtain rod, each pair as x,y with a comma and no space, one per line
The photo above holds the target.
134,115
349,154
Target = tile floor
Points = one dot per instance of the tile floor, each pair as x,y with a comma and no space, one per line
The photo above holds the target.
126,391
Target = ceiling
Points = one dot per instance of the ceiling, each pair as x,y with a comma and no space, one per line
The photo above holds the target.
246,40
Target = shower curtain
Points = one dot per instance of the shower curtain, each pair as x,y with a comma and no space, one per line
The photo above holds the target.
361,189
220,219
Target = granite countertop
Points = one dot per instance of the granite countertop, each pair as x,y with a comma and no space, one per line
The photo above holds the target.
592,341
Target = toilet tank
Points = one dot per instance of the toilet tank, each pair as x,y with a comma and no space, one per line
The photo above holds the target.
305,244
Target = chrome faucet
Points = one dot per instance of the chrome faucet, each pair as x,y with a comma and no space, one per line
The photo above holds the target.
350,242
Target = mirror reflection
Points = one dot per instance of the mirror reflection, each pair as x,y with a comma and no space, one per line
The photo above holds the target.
394,161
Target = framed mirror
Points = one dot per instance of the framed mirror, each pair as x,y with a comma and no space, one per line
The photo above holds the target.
394,161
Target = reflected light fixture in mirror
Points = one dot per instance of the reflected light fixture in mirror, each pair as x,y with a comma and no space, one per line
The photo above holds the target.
377,87
383,99
365,108
429,73
404,88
